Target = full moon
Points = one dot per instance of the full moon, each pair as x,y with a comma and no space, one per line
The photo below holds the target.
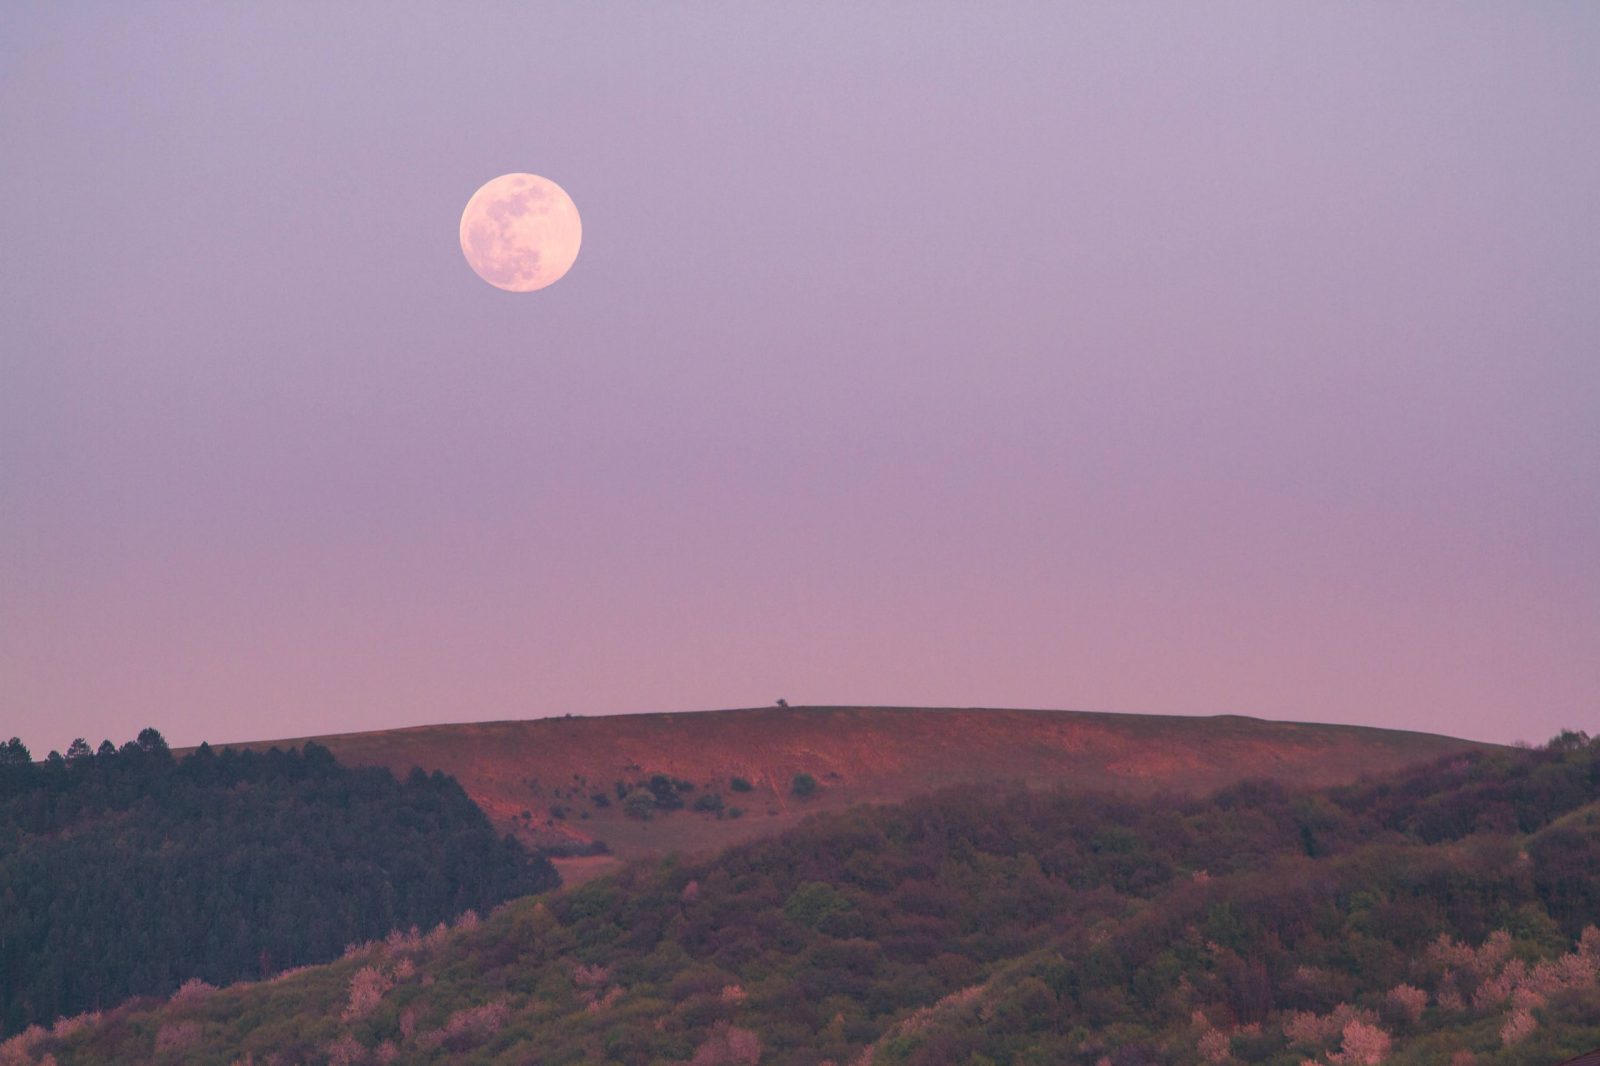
520,232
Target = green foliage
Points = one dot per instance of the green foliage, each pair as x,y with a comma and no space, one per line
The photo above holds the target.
127,872
641,803
740,784
1007,926
15,753
658,794
666,791
803,785
812,902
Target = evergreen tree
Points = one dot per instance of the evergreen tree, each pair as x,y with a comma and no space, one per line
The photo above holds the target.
129,875
151,742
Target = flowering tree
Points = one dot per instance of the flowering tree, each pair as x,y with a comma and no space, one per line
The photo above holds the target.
1364,1045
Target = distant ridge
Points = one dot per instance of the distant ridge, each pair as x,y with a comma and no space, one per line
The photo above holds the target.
552,767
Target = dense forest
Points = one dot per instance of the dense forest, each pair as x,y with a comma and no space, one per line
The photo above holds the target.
1442,915
127,871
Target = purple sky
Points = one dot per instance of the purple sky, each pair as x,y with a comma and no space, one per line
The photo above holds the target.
1169,358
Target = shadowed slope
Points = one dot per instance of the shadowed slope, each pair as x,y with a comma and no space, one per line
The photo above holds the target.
553,768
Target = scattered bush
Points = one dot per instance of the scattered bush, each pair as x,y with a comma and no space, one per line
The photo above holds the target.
640,803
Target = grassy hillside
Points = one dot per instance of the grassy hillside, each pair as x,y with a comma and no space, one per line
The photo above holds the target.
1442,915
553,768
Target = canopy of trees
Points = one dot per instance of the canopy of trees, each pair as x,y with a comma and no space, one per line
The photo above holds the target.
128,871
1442,915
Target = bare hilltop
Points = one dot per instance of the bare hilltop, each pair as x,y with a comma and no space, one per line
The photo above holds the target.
721,777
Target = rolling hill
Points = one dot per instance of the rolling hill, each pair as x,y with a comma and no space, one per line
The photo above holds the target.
562,782
1442,914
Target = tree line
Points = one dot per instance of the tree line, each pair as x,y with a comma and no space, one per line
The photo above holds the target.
126,871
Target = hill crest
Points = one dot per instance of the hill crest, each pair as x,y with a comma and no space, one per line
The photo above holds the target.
540,777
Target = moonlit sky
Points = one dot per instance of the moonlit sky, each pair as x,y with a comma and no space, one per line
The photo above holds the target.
1159,358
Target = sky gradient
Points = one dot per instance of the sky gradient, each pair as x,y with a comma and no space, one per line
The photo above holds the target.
1157,358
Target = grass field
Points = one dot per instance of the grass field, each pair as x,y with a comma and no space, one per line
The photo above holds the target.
552,768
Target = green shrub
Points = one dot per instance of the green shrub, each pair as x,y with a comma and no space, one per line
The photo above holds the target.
812,902
640,803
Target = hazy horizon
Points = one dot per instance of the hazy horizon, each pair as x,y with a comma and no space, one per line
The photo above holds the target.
1168,360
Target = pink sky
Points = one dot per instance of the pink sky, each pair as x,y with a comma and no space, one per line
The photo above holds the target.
1170,359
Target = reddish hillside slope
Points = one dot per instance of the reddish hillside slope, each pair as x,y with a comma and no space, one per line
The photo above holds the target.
553,768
